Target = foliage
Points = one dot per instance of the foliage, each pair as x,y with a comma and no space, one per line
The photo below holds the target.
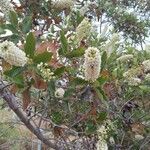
121,93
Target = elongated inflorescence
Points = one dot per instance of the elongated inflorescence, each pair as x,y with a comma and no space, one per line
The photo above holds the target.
12,54
92,64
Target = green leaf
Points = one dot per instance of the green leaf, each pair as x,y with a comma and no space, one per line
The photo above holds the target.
26,24
19,81
11,28
14,38
79,18
90,127
59,71
145,88
75,53
43,57
103,60
64,43
2,31
79,81
51,87
101,93
29,46
57,117
14,71
102,116
69,92
13,18
101,80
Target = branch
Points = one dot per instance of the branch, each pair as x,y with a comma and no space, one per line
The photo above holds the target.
11,101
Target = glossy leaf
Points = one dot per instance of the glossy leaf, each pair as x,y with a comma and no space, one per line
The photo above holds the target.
90,127
64,44
59,71
43,57
102,116
75,53
101,94
26,24
29,46
14,71
13,18
19,81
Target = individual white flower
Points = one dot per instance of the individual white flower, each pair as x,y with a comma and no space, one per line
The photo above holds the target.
62,4
12,54
59,93
134,81
125,58
83,30
139,137
92,64
146,65
147,77
45,71
6,7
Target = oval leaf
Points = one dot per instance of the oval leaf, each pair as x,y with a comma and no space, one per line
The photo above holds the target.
29,46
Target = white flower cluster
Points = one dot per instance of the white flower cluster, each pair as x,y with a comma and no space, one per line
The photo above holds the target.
134,81
59,93
146,65
139,137
83,30
125,58
147,77
133,72
62,4
6,7
102,133
45,72
102,144
12,54
131,76
92,64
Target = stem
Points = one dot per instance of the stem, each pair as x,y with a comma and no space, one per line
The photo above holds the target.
12,103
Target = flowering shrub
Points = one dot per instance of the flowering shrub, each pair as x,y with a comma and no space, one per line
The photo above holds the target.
92,90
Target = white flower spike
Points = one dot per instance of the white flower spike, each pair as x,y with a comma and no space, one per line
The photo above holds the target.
62,4
83,30
6,7
12,54
92,64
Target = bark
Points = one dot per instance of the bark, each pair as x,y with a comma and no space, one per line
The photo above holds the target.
12,103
